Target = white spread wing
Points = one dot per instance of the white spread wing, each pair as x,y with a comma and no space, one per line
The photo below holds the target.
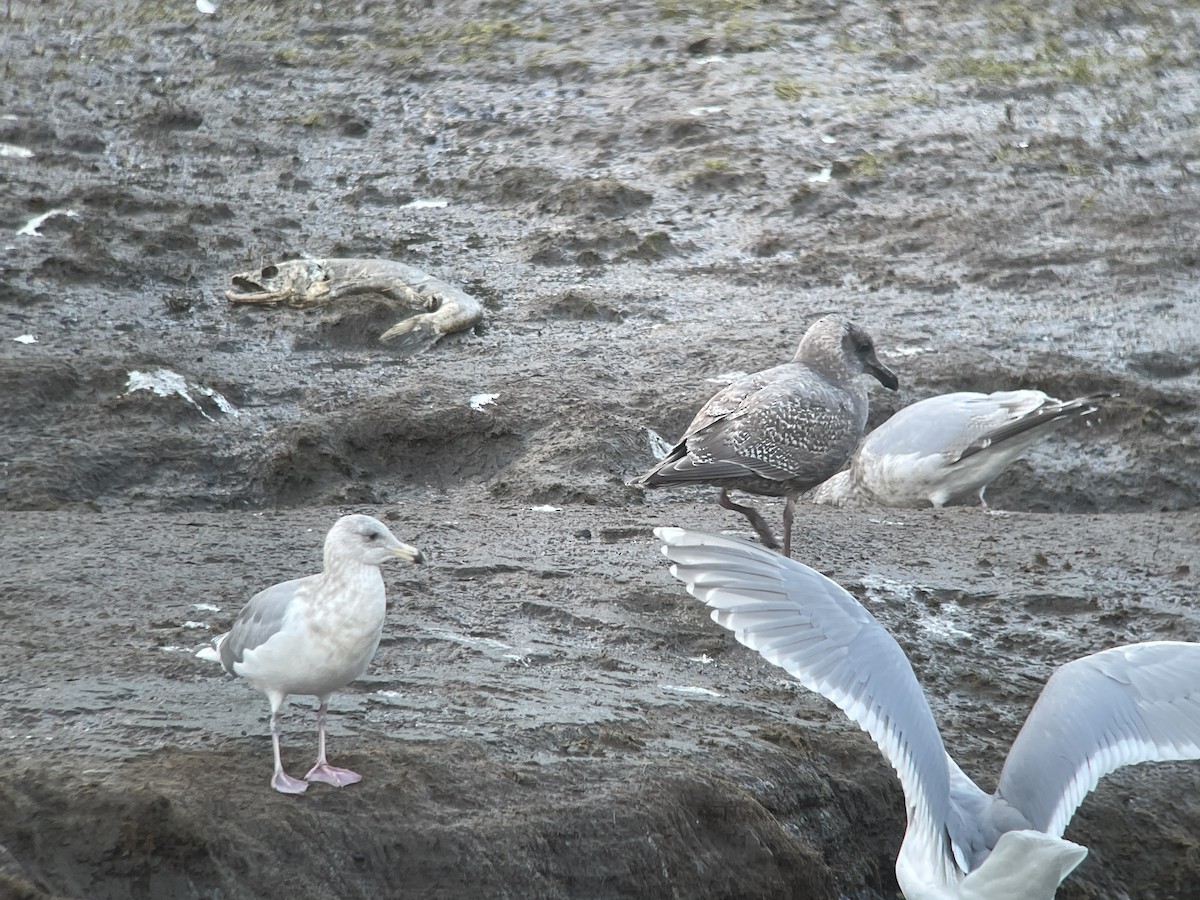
807,624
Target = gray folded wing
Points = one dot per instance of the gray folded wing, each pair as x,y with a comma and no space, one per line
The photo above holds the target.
1115,708
731,397
782,431
1024,417
807,624
958,425
261,618
948,425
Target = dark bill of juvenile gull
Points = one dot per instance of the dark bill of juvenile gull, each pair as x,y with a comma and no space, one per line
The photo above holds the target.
948,446
781,431
1121,706
313,635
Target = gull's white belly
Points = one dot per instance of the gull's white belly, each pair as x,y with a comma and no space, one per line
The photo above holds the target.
315,654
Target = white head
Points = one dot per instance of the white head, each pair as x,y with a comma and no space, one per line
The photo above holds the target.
367,541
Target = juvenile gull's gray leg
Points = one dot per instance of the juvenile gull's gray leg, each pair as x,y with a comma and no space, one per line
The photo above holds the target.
789,513
760,525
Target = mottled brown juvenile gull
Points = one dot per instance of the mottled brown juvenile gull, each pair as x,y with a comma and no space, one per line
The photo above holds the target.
781,431
950,445
313,635
1126,705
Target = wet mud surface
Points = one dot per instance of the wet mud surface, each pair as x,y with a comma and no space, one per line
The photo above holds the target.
646,197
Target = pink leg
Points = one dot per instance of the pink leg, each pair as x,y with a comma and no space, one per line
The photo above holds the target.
281,781
323,771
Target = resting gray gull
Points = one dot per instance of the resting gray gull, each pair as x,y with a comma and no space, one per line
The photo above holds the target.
313,635
781,431
937,449
1114,708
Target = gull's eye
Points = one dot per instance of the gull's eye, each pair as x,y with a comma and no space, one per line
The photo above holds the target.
270,271
863,348
373,536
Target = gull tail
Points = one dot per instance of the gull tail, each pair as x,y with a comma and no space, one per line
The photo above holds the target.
1024,865
212,651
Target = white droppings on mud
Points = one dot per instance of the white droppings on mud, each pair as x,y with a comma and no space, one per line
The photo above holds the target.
165,383
207,7
191,623
30,228
885,590
26,339
909,350
206,607
828,139
477,642
479,401
432,203
825,175
941,625
12,151
727,377
703,658
546,508
659,446
688,689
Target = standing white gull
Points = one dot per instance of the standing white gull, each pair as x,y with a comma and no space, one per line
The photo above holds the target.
1114,708
781,431
313,635
940,448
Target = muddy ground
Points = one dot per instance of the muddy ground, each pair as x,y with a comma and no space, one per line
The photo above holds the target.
647,196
